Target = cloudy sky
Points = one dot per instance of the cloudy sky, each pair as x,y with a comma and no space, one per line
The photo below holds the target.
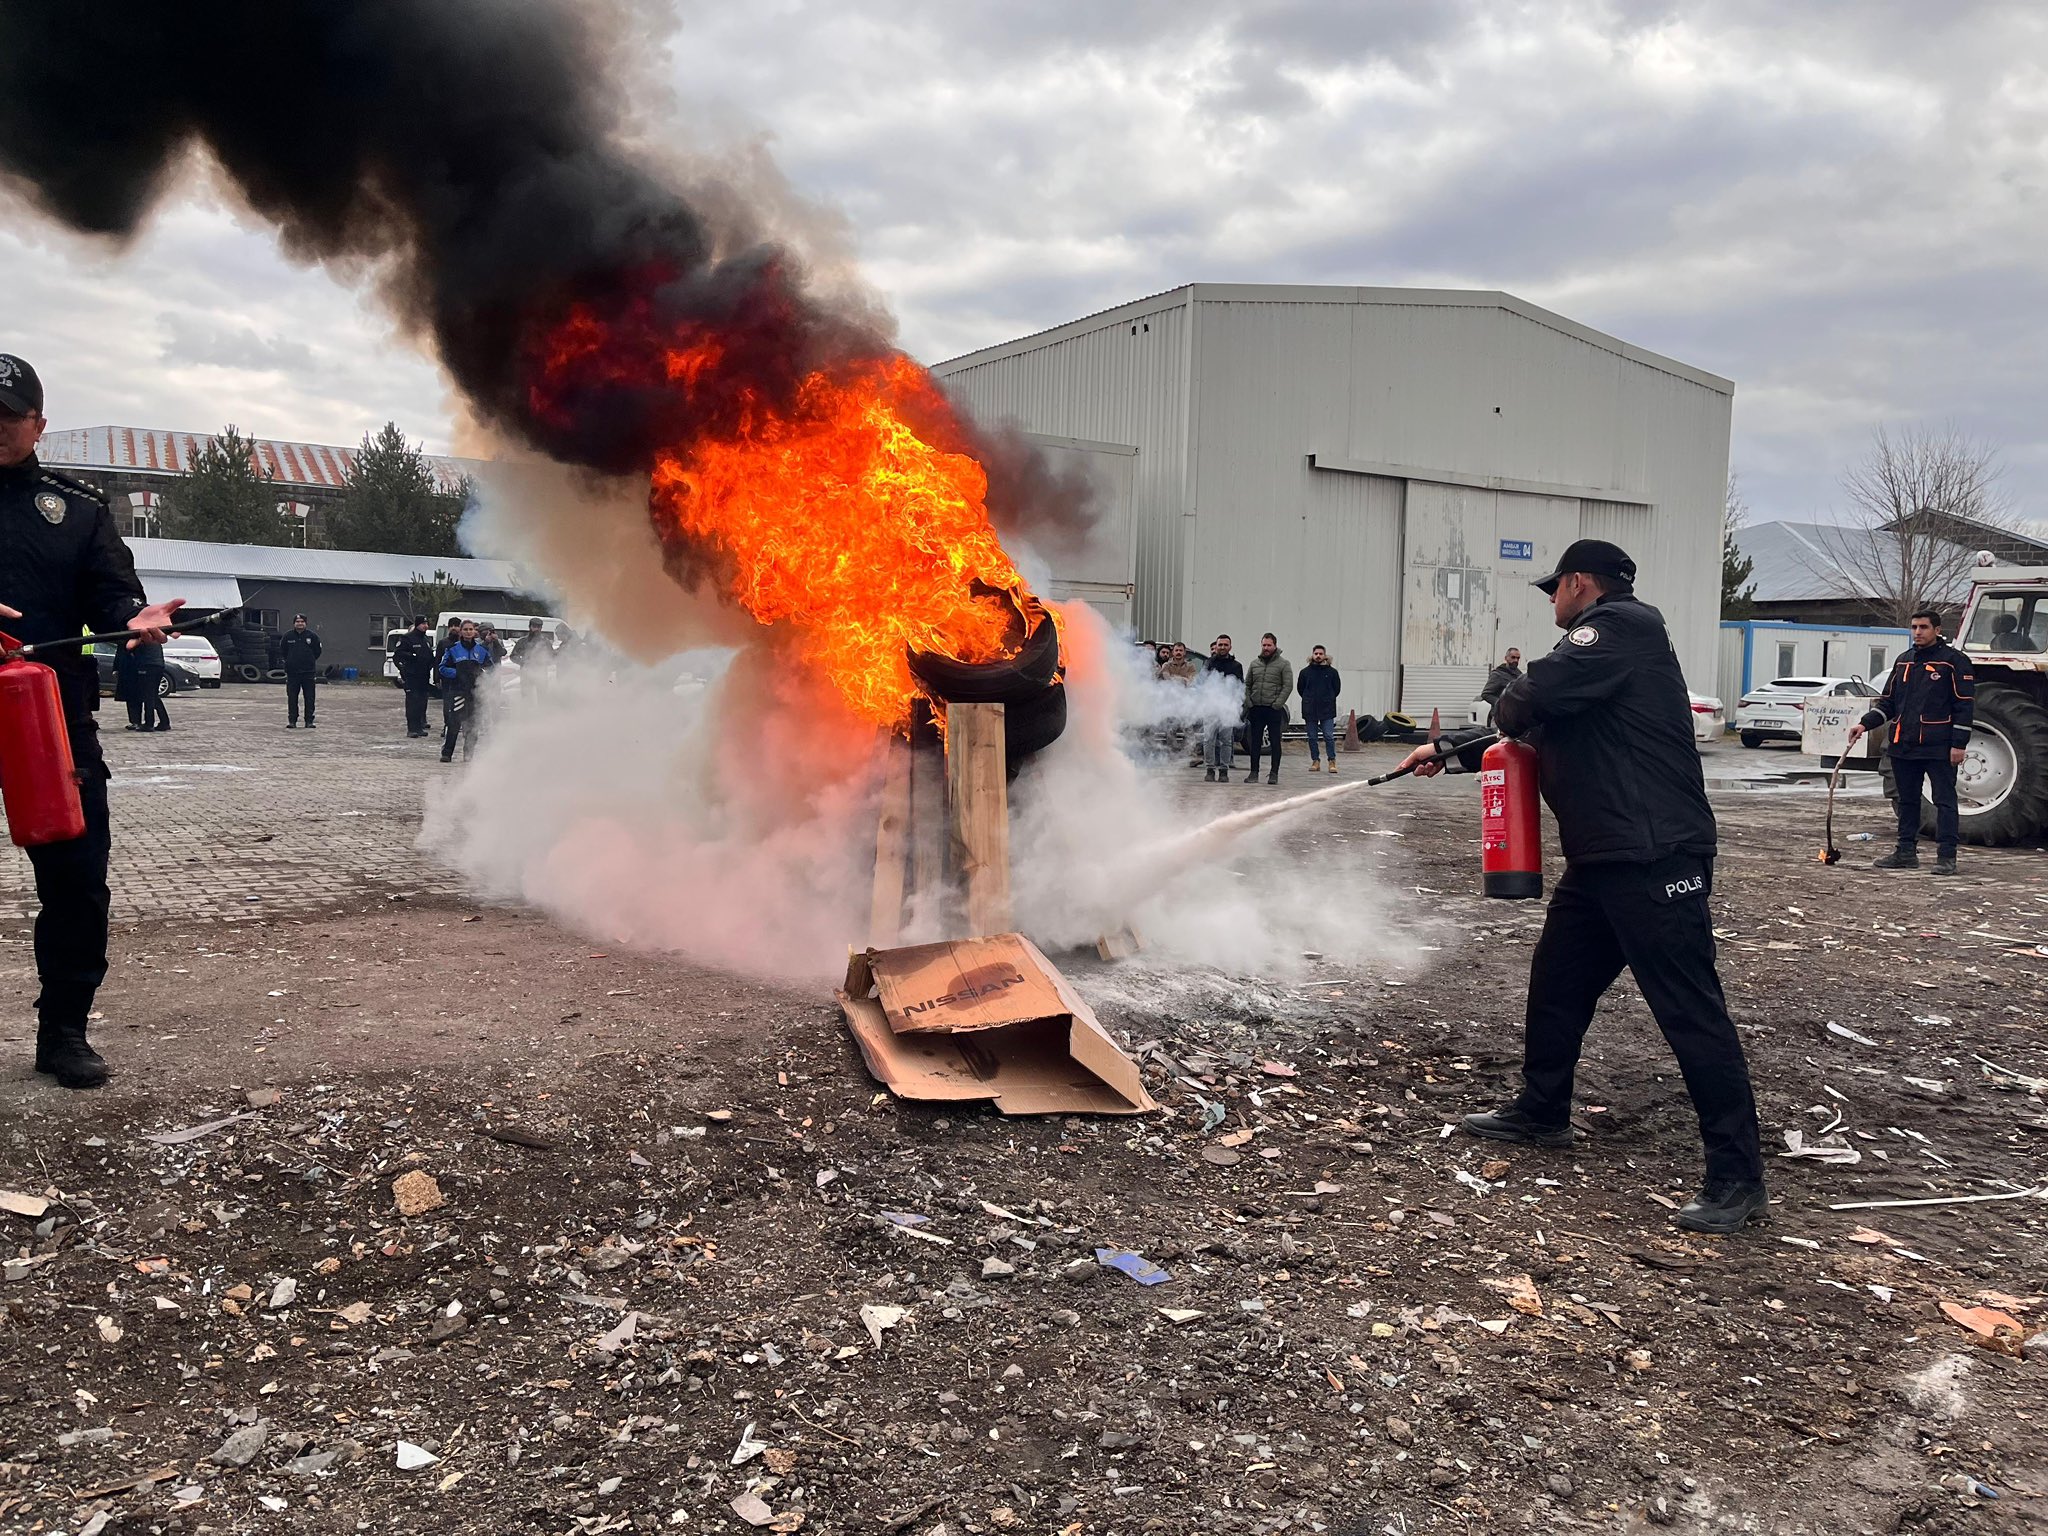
1839,204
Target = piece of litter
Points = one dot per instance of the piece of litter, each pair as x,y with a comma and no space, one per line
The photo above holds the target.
194,1132
1180,1316
1800,1242
748,1448
1850,1034
748,1507
879,1318
412,1457
31,1206
1136,1265
1819,1151
1222,1157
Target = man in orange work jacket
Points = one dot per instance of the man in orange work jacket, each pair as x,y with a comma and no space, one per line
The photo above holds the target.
1925,710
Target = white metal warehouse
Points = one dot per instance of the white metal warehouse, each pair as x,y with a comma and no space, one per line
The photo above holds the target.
1379,470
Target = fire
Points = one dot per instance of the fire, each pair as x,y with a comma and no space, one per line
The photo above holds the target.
834,509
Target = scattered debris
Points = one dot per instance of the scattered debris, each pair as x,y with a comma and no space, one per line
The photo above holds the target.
416,1193
193,1132
878,1319
411,1458
1136,1265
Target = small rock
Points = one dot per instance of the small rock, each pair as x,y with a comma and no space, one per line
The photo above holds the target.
1400,1431
1441,1476
416,1193
1013,1373
751,1509
609,1486
995,1269
240,1448
283,1294
1116,1440
1559,1484
238,1293
1659,1511
1081,1271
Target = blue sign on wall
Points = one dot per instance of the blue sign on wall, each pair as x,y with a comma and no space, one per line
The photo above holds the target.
1517,549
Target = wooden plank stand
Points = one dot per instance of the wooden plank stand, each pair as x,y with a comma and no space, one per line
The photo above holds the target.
945,821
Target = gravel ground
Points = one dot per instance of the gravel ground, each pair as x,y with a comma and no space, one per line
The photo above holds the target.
663,1288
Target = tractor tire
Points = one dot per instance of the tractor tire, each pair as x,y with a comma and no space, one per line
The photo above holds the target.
2002,786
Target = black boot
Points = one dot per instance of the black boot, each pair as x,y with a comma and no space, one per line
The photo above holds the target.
1945,863
1251,778
1513,1124
1898,858
1725,1205
64,1053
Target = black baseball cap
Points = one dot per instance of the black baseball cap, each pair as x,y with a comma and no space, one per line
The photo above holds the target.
1590,557
21,392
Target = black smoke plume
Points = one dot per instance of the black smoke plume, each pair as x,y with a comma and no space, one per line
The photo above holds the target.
471,152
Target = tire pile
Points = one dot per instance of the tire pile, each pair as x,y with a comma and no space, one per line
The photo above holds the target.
1028,684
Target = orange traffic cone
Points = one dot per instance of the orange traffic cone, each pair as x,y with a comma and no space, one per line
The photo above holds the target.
1436,724
1351,732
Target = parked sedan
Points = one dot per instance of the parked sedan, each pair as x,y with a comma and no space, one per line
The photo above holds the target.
1775,711
1709,719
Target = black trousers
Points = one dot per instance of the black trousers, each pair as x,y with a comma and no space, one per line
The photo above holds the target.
416,709
71,884
295,689
1652,918
1263,720
1940,774
459,719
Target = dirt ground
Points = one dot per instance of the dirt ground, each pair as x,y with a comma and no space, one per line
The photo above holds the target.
648,1299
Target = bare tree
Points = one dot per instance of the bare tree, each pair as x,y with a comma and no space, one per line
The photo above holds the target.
1922,502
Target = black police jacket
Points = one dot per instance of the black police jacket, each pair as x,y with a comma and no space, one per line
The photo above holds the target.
1929,699
414,658
63,564
1611,721
300,652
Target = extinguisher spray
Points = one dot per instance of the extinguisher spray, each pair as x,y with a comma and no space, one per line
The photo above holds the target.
38,777
1510,824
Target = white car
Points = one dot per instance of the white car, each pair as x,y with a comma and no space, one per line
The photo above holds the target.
195,653
1775,711
1709,719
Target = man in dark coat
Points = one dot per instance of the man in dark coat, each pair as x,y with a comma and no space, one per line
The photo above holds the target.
1609,716
1502,677
299,651
414,658
1929,701
1319,686
63,570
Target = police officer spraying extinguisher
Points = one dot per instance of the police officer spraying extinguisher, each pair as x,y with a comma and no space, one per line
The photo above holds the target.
63,569
1928,701
1611,722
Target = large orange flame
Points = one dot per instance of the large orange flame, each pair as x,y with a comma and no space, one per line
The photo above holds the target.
838,515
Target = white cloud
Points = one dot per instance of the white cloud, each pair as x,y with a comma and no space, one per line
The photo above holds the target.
1836,204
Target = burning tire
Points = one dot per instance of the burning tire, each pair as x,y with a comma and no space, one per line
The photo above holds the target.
1027,685
2002,785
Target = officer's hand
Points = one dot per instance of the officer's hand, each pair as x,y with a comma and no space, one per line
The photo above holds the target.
156,622
1956,755
1855,733
1424,761
9,613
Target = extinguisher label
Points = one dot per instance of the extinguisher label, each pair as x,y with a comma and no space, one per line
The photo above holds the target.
1493,778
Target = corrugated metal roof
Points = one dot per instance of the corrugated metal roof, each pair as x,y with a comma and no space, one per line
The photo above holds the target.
149,450
346,567
1811,563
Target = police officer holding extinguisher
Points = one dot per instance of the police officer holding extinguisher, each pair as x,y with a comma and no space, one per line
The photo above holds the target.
1611,722
63,569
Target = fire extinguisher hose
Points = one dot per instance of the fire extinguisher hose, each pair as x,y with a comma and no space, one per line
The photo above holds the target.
11,648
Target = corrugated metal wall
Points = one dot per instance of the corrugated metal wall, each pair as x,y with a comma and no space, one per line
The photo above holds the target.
1120,381
1237,531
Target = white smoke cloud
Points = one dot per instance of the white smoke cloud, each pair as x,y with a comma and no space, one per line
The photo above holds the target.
734,822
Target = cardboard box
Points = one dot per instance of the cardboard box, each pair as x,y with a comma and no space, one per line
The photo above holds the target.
986,1019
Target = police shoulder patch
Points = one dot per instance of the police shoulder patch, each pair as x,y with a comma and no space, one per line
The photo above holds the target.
1585,634
51,505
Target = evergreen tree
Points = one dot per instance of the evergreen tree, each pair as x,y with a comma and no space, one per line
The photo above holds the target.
224,498
1738,592
391,503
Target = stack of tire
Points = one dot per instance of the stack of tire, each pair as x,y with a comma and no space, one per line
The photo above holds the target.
1028,684
248,654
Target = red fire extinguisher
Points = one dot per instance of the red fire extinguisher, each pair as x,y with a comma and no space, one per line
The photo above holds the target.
1510,824
38,779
